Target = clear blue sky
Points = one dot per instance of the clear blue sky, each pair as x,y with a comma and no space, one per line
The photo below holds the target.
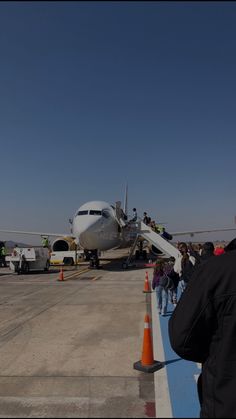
97,94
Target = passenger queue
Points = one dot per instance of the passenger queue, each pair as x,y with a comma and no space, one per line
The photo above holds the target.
202,326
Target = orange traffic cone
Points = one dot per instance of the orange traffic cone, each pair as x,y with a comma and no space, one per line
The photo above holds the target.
61,275
147,363
146,284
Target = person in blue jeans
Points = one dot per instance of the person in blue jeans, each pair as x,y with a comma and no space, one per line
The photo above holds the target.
161,293
173,292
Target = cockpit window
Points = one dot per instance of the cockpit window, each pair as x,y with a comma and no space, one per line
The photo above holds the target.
91,212
95,212
105,214
82,213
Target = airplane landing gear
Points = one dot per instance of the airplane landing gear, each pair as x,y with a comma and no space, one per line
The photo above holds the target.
141,253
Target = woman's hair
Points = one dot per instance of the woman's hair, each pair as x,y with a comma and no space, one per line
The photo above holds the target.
208,247
184,260
183,248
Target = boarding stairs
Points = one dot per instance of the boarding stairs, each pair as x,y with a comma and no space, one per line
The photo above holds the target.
159,242
146,232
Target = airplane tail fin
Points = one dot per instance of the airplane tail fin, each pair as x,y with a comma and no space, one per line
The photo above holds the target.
125,209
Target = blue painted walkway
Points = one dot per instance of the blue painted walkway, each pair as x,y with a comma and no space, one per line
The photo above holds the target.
181,378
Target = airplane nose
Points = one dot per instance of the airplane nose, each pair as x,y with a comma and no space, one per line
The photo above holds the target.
86,230
82,226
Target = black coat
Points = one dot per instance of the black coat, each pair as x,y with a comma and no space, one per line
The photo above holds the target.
202,328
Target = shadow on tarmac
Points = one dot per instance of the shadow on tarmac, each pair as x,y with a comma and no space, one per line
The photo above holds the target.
116,265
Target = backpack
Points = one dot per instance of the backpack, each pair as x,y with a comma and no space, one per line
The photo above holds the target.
167,283
167,236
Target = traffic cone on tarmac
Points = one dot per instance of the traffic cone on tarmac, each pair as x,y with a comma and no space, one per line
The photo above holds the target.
147,363
146,284
61,275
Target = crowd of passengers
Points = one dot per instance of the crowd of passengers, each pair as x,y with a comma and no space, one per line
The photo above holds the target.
202,327
171,276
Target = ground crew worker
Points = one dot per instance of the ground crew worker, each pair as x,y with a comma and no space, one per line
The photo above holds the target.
160,229
45,242
3,255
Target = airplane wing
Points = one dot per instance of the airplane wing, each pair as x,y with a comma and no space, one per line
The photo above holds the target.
37,233
192,232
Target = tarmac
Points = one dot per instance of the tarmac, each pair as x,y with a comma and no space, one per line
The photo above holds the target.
68,348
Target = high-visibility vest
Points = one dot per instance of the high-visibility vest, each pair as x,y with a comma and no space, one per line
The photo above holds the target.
160,228
3,251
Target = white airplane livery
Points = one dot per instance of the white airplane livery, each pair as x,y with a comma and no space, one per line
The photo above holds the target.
96,226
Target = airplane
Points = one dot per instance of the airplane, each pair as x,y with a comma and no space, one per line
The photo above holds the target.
98,226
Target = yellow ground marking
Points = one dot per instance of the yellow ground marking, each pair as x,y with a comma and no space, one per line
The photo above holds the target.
76,274
96,277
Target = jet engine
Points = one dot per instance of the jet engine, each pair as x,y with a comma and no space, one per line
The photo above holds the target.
63,244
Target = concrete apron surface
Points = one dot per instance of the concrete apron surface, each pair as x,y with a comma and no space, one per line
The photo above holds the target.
67,348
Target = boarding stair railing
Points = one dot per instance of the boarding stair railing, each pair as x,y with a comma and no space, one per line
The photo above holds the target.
127,263
158,241
143,231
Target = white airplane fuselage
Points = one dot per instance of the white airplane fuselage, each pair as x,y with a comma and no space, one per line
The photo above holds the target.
96,226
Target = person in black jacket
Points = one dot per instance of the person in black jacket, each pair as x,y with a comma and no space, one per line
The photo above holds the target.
207,251
202,329
230,246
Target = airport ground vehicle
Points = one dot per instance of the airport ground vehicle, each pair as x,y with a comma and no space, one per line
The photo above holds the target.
67,257
26,259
